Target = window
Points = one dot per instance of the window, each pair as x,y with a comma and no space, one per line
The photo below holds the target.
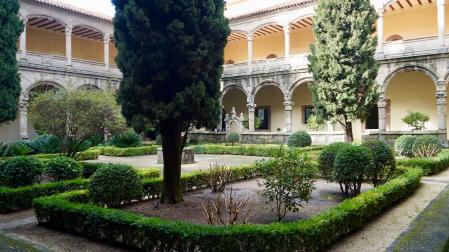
394,38
307,112
263,114
230,62
272,56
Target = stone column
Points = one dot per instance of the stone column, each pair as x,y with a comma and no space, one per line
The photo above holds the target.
441,96
382,109
288,106
23,119
251,117
68,45
106,40
250,39
380,31
287,39
23,40
441,24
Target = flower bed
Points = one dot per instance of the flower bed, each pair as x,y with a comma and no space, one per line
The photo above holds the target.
71,212
15,199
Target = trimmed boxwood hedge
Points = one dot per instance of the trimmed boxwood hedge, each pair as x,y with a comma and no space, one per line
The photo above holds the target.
126,152
430,166
71,212
245,150
15,199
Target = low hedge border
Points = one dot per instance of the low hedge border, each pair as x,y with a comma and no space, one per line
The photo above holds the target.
15,199
90,154
154,234
126,152
429,231
245,150
430,166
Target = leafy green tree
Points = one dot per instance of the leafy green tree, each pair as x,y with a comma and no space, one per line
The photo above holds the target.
342,61
171,56
10,29
416,120
75,116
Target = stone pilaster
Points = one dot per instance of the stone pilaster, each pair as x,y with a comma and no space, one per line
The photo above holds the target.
250,39
106,40
288,107
441,24
23,39
23,119
68,45
251,117
287,31
382,109
380,31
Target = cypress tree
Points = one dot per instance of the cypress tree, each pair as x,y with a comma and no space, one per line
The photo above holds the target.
342,61
10,29
171,56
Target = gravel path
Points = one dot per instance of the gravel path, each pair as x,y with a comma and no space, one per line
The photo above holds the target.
382,231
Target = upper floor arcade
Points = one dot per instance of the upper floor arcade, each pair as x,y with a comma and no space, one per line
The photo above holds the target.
279,38
60,36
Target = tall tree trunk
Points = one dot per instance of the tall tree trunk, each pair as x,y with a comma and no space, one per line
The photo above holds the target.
349,137
172,151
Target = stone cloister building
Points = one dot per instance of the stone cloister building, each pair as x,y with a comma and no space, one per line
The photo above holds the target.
265,76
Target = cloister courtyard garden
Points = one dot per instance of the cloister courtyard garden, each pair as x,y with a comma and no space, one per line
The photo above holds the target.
120,170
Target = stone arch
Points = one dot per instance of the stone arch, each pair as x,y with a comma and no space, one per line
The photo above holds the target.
54,85
88,28
296,19
410,68
299,83
261,85
230,87
30,16
269,97
90,87
264,25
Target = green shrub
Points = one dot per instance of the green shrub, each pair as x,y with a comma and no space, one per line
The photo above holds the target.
199,149
46,144
426,146
21,171
90,154
70,212
126,152
416,120
127,139
299,139
114,184
351,165
233,137
403,146
430,166
63,168
326,160
384,163
289,181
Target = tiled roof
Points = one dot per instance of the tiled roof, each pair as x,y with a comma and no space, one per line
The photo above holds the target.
279,8
74,9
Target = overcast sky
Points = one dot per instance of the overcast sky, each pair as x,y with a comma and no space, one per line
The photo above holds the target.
101,6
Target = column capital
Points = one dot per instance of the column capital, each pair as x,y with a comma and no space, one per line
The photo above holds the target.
23,19
287,28
382,102
441,97
289,105
68,30
251,107
106,38
380,11
441,2
250,37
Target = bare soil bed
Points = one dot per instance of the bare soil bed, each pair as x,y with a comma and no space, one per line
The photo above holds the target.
324,197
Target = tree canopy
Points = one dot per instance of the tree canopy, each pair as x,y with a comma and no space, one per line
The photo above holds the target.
171,56
342,61
10,29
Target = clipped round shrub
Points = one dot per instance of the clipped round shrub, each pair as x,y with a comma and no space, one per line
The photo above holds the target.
159,140
63,168
326,160
114,184
351,164
426,146
233,137
126,139
21,171
384,163
299,139
403,146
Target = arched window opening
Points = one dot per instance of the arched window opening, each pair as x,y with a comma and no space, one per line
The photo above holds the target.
43,87
272,56
394,37
230,62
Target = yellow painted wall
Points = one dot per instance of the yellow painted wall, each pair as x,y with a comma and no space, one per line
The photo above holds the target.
266,45
45,42
416,23
411,91
87,49
300,41
235,98
237,51
301,97
273,97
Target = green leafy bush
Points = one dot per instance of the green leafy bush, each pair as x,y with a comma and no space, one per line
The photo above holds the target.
246,150
90,154
233,137
351,165
299,139
289,181
63,168
416,120
403,146
430,166
70,212
326,160
19,148
21,171
426,146
46,144
114,184
126,152
384,163
127,139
